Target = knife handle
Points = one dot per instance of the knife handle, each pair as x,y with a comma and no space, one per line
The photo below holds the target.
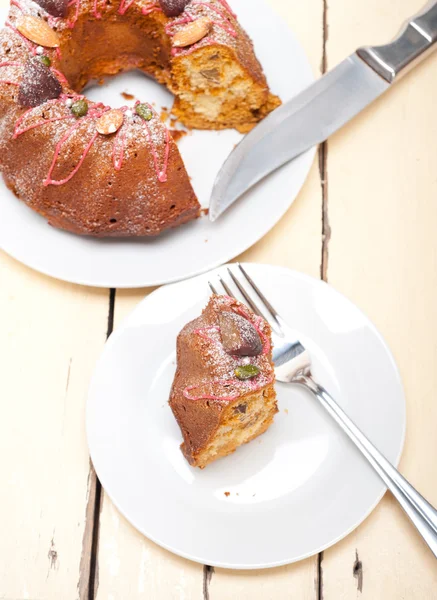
415,41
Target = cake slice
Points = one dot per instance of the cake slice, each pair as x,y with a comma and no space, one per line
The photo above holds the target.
223,394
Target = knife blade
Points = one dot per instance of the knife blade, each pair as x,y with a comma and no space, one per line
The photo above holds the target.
321,109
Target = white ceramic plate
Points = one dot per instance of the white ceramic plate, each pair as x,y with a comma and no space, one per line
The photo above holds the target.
298,488
193,248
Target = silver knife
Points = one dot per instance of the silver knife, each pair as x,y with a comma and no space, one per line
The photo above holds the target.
321,109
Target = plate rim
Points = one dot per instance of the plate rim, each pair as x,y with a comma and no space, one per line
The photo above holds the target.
267,565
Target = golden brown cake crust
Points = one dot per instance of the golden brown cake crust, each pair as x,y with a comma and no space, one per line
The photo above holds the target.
133,182
205,388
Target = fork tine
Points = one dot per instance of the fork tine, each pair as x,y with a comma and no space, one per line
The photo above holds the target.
226,287
212,288
245,295
267,304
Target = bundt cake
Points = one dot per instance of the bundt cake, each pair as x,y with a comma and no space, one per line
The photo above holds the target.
223,394
98,171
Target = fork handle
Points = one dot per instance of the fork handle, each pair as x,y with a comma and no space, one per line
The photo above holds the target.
420,511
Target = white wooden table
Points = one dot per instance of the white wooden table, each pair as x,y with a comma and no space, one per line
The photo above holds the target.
366,221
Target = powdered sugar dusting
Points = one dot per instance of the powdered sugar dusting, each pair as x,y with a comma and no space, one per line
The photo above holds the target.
38,84
221,384
173,8
224,26
75,144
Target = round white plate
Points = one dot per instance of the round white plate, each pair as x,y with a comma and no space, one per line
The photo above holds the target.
295,490
198,246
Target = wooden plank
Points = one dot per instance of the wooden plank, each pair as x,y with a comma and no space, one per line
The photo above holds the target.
52,334
382,191
128,564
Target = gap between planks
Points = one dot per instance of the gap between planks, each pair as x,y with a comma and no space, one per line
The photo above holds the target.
326,233
89,567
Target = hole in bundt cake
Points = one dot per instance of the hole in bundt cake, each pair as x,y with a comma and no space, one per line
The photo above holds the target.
75,143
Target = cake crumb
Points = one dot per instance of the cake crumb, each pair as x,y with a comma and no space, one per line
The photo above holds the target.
177,134
286,411
127,96
204,211
227,494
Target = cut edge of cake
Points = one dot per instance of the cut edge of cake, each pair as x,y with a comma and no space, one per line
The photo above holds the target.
216,410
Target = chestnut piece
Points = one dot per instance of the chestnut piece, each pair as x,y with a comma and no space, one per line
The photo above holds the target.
239,336
173,8
55,8
38,84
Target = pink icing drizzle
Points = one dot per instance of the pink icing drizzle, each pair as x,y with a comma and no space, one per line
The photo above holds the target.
49,180
119,146
182,21
52,21
10,64
224,25
18,132
227,7
124,5
203,332
187,18
59,75
30,45
204,41
161,173
250,385
122,9
95,112
7,81
146,10
256,322
17,4
96,13
118,149
72,22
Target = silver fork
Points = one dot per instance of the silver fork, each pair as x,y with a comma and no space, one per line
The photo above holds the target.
293,365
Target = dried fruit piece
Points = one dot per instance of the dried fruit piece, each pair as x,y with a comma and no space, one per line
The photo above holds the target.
79,108
246,372
239,336
38,84
144,111
192,33
173,8
55,8
211,74
110,122
45,60
38,31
